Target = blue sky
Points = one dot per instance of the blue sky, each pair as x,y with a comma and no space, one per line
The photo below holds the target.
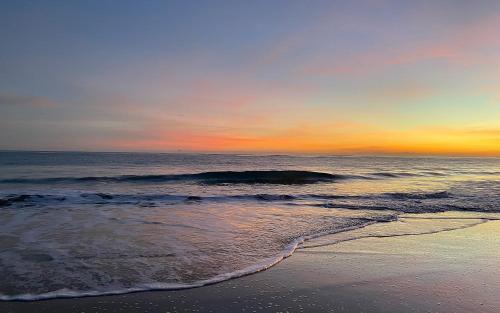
305,76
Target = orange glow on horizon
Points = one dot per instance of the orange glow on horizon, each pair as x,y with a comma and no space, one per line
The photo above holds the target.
474,142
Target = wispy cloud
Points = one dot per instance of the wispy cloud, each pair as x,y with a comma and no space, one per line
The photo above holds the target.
474,43
10,99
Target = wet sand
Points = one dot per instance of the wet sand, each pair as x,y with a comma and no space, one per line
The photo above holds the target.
452,271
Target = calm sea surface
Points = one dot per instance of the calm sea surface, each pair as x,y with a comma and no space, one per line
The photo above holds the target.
76,224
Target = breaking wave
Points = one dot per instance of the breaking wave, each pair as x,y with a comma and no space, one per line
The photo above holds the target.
289,177
419,196
397,201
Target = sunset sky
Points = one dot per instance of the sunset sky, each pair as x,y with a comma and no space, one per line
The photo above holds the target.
390,77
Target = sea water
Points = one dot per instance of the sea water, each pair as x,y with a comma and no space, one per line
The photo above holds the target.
76,224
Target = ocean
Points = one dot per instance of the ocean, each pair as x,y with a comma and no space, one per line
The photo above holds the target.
82,223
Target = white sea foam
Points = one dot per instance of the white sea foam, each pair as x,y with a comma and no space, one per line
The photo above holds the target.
257,267
67,293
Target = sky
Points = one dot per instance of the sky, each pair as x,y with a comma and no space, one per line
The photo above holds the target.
341,77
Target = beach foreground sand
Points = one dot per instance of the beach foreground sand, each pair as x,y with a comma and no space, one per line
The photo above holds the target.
453,271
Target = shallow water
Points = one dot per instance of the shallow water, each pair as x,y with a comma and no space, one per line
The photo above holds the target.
95,223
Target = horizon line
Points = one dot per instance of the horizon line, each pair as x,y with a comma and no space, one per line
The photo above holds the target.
261,153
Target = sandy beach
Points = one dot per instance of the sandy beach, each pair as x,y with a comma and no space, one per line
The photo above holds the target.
450,271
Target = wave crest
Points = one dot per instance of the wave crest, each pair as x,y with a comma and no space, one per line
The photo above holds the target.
419,196
285,177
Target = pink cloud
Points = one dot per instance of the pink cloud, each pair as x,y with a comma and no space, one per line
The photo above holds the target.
473,44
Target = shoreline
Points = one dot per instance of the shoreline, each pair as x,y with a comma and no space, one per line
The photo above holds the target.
264,265
345,275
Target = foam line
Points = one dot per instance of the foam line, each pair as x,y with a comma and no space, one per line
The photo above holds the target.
482,221
261,266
